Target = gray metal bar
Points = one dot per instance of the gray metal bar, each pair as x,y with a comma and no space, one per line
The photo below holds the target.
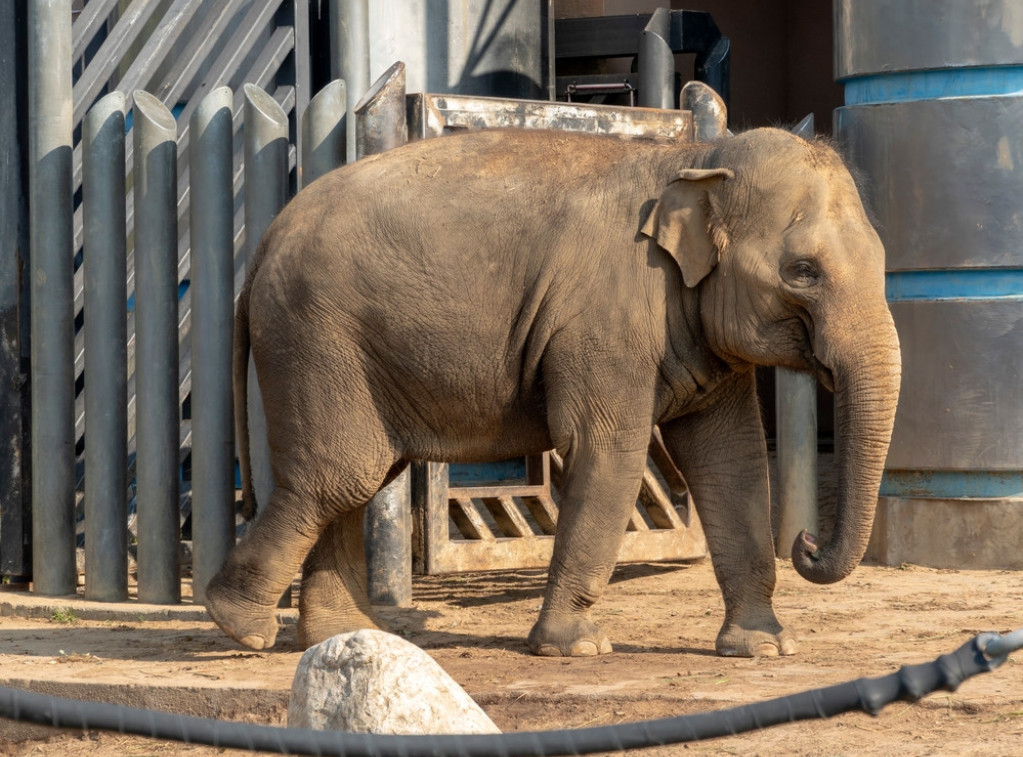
156,326
158,45
388,539
349,41
211,228
266,177
796,419
324,132
710,116
381,126
106,345
656,63
52,292
380,115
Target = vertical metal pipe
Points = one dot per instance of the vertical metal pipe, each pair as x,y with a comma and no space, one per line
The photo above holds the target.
656,63
349,41
324,132
156,354
388,539
52,305
380,114
266,192
106,352
381,126
710,115
796,430
211,228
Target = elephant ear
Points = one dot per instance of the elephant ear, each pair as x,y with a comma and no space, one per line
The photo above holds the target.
680,224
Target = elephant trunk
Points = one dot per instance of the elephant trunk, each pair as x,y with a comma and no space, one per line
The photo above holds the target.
866,384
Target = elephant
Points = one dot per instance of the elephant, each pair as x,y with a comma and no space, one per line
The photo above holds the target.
488,295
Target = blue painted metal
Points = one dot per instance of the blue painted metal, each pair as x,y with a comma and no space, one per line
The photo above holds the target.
477,474
904,86
960,284
952,484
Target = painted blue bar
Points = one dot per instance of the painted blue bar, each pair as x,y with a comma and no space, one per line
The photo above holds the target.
902,86
952,484
477,474
955,284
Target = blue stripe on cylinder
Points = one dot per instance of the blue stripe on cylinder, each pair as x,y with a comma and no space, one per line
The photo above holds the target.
902,86
955,284
952,484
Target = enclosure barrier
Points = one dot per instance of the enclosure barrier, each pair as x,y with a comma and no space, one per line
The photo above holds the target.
211,229
156,327
106,349
983,653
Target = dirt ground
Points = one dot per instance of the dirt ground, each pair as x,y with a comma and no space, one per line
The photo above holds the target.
662,619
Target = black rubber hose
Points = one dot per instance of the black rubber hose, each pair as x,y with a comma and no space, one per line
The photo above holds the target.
868,694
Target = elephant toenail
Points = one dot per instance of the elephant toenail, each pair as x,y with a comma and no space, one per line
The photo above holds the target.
254,642
766,649
789,647
549,650
584,649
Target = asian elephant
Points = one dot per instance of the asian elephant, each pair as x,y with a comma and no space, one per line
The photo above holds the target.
488,295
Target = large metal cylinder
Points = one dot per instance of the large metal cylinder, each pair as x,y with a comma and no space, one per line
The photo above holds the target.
479,48
932,116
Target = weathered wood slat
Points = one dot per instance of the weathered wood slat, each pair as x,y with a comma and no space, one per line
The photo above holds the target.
636,521
658,504
468,520
507,516
543,510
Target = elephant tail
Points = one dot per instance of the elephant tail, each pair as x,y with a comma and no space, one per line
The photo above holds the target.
241,400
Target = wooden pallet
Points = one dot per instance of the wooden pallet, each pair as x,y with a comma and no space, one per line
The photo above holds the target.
472,528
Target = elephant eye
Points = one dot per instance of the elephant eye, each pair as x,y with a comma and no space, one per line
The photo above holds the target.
801,273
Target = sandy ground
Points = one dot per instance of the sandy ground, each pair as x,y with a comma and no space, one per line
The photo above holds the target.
662,619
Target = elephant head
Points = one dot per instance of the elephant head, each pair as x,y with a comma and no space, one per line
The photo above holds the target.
770,231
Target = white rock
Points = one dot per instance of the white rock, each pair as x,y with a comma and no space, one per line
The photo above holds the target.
374,682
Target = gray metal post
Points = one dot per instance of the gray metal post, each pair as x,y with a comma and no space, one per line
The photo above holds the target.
380,114
796,412
211,230
156,355
324,132
381,126
710,115
106,352
50,232
388,540
266,192
656,63
349,41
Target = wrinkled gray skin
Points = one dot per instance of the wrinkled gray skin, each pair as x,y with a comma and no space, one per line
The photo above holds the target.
489,295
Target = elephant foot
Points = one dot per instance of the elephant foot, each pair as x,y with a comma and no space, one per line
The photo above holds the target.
737,641
318,627
568,637
253,625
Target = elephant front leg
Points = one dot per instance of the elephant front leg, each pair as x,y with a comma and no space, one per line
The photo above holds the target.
334,598
722,453
598,495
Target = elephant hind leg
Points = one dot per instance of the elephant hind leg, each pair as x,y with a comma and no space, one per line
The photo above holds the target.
242,598
334,598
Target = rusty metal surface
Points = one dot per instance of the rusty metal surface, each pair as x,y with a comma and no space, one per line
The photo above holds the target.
431,115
